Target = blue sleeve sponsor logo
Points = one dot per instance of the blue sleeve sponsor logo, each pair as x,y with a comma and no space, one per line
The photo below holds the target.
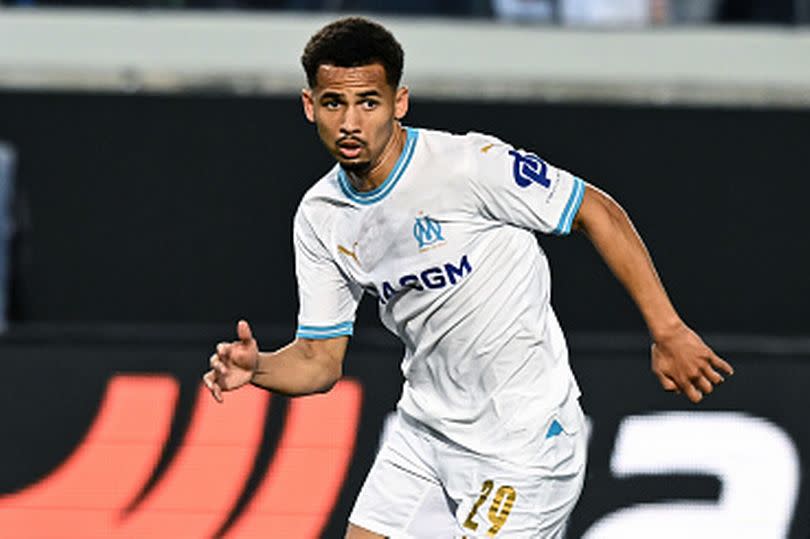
529,169
433,278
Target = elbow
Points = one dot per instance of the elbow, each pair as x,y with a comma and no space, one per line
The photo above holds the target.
332,375
325,359
330,370
325,388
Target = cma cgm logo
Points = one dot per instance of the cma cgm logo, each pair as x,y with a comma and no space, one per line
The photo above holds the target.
256,466
427,231
432,278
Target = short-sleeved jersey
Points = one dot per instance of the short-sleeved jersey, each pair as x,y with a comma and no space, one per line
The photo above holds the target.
446,244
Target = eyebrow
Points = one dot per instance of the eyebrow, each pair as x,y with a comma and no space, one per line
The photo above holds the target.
338,95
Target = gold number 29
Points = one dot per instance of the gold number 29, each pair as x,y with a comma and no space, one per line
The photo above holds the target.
498,512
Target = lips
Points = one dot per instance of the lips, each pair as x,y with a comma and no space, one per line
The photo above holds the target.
350,149
350,152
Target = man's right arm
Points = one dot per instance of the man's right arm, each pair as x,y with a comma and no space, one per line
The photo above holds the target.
303,367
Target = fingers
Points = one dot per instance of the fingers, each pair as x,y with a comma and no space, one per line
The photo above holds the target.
719,363
697,386
217,365
209,379
667,383
703,385
708,378
224,350
244,332
713,376
226,360
693,394
692,370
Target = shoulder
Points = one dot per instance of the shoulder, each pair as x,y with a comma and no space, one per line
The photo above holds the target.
472,146
318,208
444,141
323,198
326,188
464,155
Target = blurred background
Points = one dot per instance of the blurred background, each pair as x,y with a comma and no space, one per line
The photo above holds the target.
152,155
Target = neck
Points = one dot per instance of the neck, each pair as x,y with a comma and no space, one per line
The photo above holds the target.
379,171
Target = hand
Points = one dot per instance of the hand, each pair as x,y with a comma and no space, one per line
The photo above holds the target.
233,364
684,364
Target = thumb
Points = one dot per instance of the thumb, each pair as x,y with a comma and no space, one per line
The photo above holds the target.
243,331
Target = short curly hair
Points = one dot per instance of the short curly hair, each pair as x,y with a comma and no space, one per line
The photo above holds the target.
353,42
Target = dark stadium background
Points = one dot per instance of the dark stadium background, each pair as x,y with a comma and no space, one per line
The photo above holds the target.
150,223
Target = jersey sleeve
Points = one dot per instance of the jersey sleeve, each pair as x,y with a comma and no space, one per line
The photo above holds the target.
327,298
521,188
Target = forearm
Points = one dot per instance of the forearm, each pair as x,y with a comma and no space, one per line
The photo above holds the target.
610,230
296,369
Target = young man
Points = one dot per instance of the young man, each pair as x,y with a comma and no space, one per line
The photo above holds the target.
489,439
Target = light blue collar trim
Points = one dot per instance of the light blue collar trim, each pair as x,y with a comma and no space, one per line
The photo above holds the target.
377,194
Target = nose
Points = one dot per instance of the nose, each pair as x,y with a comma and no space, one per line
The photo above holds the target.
351,120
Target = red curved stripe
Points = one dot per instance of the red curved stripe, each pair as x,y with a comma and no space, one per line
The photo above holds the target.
207,476
83,496
296,496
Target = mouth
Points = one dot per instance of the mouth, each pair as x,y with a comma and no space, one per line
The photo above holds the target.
350,149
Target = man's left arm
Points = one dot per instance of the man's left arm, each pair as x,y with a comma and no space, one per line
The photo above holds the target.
680,359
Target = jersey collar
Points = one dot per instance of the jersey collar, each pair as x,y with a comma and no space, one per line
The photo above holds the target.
380,192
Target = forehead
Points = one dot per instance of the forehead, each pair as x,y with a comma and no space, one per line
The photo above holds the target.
334,78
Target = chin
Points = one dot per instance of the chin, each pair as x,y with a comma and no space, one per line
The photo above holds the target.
356,166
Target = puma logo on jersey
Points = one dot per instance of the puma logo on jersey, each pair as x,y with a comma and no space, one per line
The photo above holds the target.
347,252
487,148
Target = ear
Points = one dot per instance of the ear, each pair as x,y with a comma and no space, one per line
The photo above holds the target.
308,101
401,102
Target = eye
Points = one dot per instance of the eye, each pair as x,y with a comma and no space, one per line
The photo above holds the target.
370,104
331,104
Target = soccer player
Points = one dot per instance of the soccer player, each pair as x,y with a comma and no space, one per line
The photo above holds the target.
489,439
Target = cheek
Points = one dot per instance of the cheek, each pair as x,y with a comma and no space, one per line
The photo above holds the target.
324,131
384,131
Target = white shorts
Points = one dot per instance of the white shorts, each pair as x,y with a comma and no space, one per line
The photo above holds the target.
424,486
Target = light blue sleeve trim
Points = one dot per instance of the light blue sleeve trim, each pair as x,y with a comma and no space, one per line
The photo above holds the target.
342,325
325,332
571,208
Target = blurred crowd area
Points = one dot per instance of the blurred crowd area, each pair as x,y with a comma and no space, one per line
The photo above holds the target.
563,12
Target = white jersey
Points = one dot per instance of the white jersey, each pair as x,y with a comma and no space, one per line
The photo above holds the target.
446,244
